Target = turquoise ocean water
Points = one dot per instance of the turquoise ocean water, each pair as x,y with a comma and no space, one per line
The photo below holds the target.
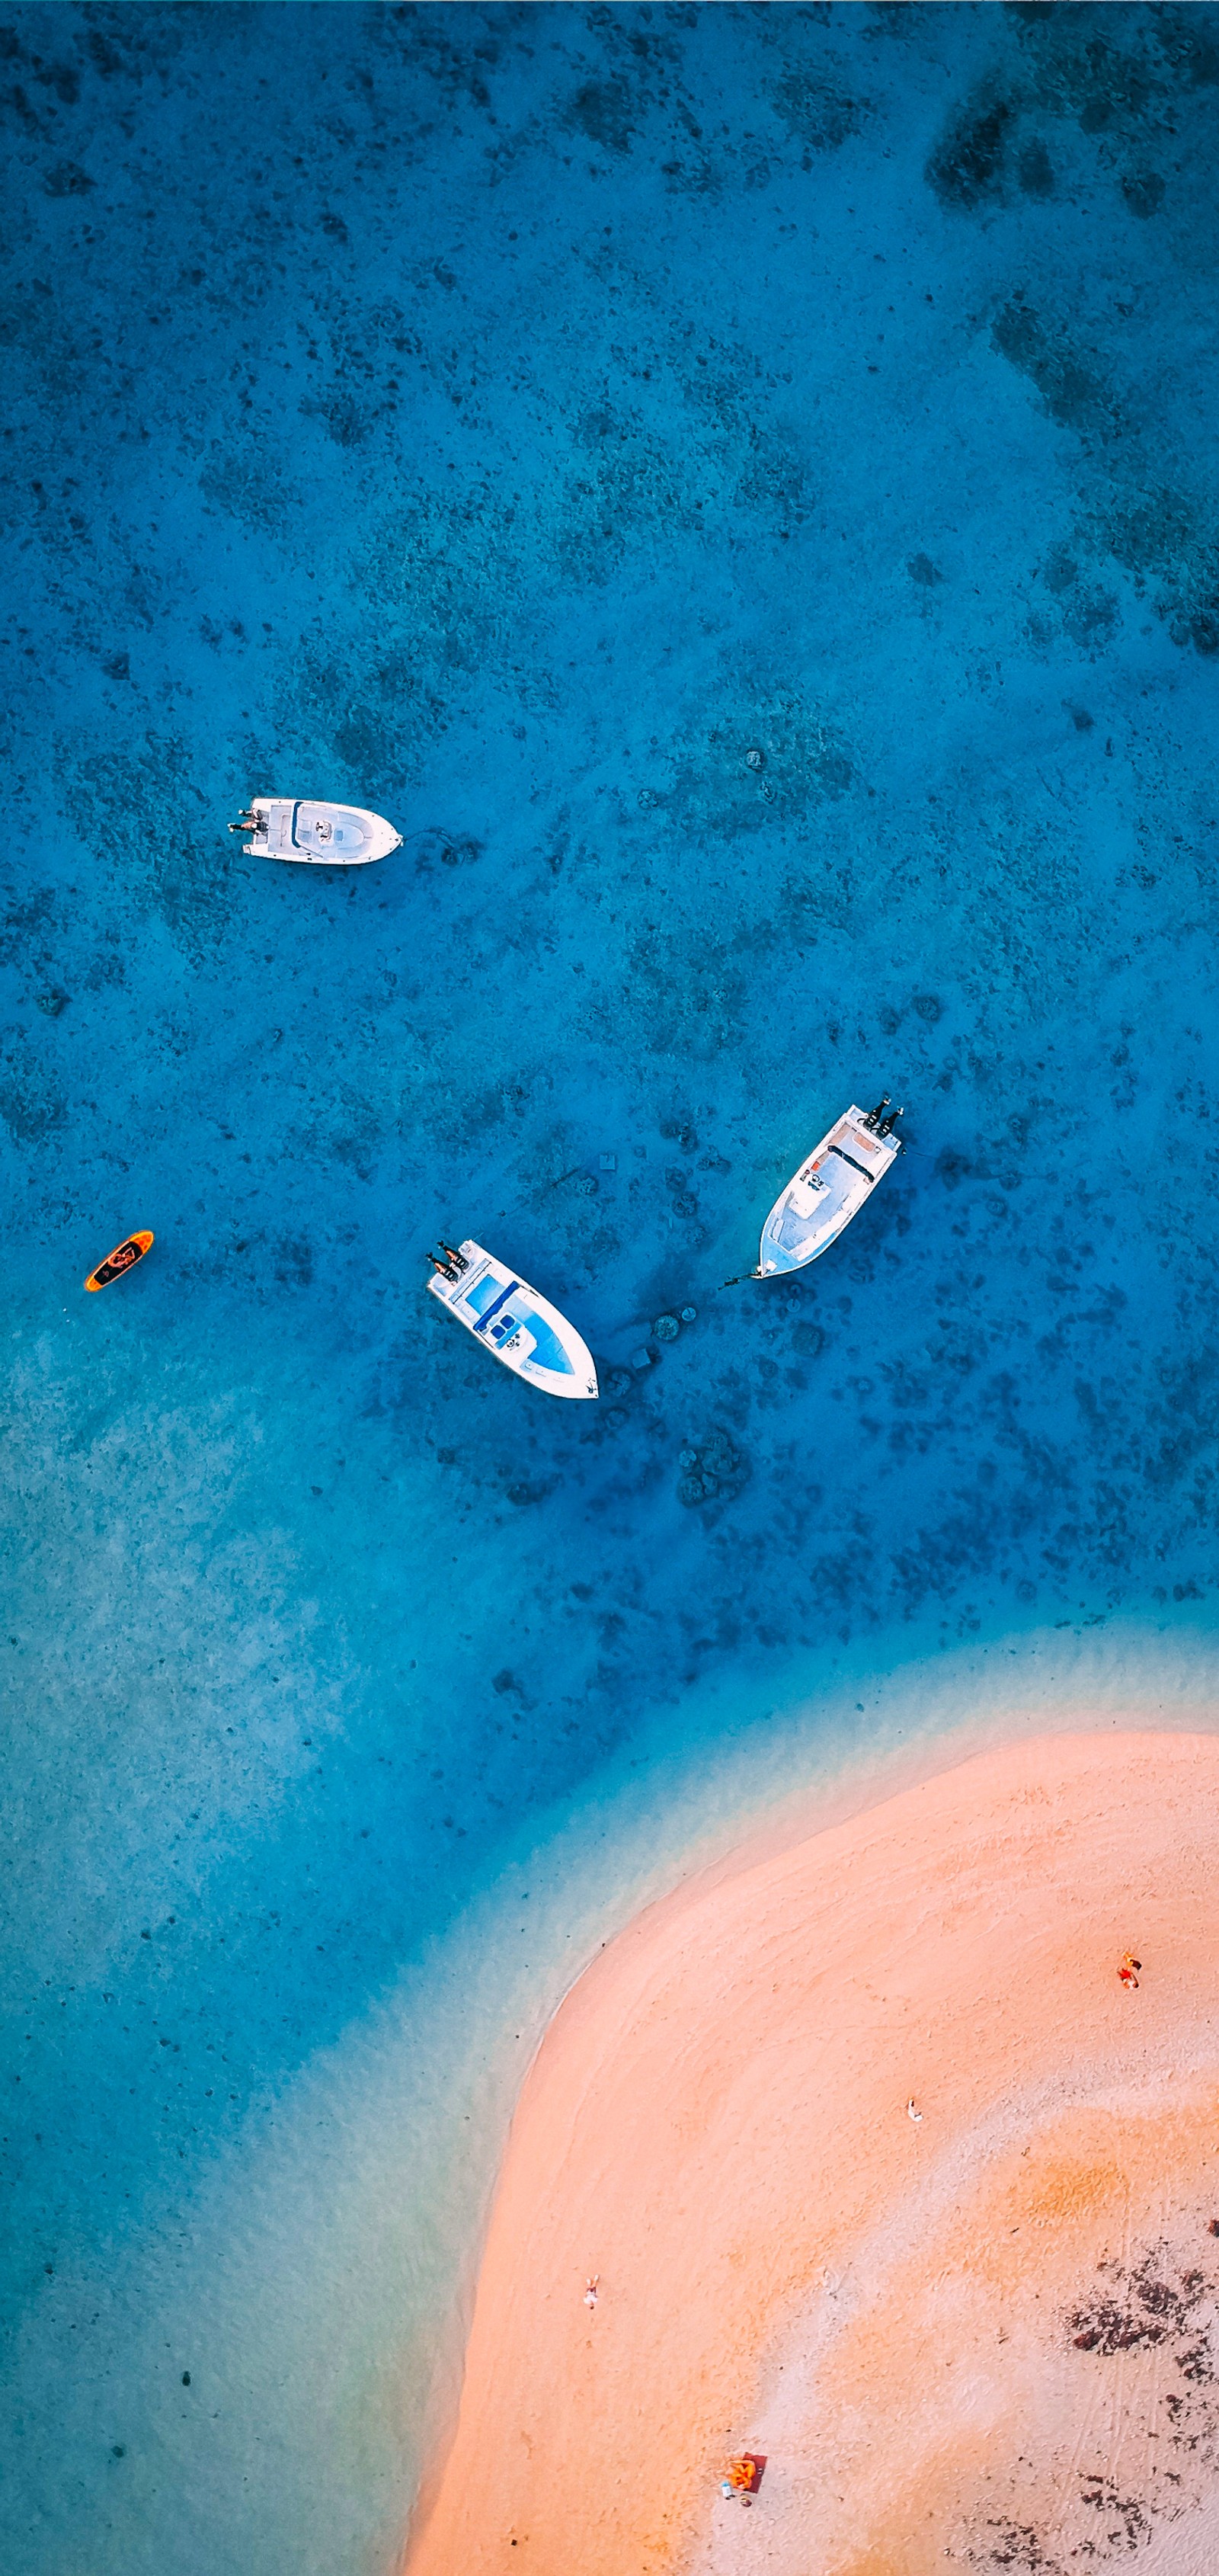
511,418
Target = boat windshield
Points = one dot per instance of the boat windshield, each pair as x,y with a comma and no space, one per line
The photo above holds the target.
515,1311
317,827
803,1214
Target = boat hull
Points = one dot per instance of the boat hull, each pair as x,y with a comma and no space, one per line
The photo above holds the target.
517,1325
820,1199
318,835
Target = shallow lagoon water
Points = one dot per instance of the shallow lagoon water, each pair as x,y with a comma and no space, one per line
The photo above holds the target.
512,419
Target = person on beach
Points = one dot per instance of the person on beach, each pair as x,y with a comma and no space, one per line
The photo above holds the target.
591,2292
1128,1971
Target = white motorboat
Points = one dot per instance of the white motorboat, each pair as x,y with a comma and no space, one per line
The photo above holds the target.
324,836
829,1189
512,1321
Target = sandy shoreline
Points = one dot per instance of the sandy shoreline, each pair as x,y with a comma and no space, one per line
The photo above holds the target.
890,2309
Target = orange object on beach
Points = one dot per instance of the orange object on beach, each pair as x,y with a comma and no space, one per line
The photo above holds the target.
124,1257
742,2474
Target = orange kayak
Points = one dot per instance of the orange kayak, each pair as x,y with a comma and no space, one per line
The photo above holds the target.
124,1257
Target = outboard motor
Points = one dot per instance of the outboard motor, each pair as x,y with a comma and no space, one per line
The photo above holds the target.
452,1254
444,1267
874,1116
888,1125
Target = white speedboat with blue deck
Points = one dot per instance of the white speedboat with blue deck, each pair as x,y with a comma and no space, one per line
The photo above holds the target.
829,1189
323,836
511,1320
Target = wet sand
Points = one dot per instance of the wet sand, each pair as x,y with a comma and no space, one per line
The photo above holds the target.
987,2331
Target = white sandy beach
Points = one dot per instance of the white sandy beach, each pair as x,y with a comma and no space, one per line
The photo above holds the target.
998,2319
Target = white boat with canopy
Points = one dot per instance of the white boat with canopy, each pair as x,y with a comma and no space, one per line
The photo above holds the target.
511,1320
322,836
829,1189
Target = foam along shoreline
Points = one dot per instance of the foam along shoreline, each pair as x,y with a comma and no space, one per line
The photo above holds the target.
888,2308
